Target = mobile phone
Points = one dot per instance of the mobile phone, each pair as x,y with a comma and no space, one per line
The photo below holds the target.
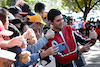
61,47
90,41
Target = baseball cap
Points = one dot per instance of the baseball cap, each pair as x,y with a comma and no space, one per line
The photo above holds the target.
23,13
15,10
36,18
26,8
3,31
45,15
14,29
13,20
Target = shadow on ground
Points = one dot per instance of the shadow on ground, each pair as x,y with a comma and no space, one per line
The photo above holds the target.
93,56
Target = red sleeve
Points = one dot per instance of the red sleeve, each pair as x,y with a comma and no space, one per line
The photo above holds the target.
98,31
80,33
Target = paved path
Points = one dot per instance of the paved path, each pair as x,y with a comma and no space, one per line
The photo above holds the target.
92,57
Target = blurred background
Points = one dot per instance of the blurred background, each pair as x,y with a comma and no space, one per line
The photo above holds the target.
76,8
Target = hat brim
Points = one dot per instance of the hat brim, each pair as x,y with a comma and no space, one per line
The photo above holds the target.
11,17
15,21
6,33
30,13
23,13
43,23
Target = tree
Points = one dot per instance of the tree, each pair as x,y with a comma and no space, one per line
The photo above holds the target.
49,4
78,5
7,3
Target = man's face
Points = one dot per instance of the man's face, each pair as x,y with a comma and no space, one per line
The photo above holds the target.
58,23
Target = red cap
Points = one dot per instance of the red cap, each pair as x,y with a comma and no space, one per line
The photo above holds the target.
3,31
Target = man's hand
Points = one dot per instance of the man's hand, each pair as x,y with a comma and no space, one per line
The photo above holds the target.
93,35
50,51
16,41
19,3
24,56
50,34
30,36
85,48
29,33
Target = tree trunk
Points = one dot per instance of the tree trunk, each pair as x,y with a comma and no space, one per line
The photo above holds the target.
86,13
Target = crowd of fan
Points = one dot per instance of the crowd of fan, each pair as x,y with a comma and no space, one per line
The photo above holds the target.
82,26
32,31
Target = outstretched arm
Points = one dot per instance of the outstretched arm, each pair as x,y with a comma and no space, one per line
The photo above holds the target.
17,41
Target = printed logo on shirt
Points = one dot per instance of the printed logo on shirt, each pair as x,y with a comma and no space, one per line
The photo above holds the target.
53,42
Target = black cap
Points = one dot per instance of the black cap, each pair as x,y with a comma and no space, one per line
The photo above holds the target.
13,28
26,8
15,21
14,10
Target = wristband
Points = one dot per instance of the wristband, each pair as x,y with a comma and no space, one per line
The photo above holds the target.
78,53
39,56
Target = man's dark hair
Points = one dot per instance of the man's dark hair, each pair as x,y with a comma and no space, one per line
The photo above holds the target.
53,13
39,7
